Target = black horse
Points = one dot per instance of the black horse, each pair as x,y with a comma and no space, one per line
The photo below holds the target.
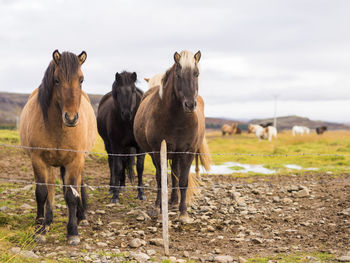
115,120
321,130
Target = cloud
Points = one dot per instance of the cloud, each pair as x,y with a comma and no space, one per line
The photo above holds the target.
251,50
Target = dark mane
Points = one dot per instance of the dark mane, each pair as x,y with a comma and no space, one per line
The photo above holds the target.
126,79
68,66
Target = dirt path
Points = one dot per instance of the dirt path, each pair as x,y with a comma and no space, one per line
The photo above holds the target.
248,217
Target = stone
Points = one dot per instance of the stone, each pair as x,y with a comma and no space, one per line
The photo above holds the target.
287,200
15,250
241,260
140,218
50,255
28,254
140,257
186,254
135,243
102,244
27,187
157,242
257,240
223,259
303,193
151,252
26,207
343,259
100,211
152,229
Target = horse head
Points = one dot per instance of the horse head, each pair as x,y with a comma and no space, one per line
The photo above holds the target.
186,79
124,94
68,79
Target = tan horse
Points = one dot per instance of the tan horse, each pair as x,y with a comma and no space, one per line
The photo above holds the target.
174,113
229,129
59,115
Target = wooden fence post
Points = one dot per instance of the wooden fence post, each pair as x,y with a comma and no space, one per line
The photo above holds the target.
164,174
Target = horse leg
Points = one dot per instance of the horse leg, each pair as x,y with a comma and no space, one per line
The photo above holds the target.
82,205
72,196
139,167
50,198
185,165
111,178
175,172
41,193
117,169
122,174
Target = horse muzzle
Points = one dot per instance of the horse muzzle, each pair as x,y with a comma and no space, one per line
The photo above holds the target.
70,121
190,107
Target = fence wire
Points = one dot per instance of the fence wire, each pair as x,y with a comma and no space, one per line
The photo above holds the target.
171,152
92,187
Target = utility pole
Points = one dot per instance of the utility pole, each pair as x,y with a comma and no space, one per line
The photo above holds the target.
275,112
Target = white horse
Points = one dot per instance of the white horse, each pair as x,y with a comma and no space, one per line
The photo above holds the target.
263,133
271,132
300,130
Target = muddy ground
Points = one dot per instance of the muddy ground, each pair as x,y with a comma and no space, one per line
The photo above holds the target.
246,217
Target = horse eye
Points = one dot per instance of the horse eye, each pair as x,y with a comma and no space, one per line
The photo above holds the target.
57,81
81,80
196,74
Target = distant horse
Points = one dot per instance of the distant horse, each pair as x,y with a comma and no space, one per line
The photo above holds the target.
229,129
270,132
115,120
300,130
59,115
175,112
264,125
263,133
321,130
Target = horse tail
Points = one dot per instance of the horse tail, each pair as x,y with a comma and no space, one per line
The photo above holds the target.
193,178
205,155
130,163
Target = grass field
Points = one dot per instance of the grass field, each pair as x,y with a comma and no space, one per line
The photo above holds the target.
287,150
17,230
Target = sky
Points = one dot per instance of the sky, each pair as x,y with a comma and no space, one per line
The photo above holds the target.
256,55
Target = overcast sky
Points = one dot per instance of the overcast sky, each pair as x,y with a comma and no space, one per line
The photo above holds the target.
252,51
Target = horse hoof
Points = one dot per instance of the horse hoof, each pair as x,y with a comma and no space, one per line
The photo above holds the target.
40,238
114,200
185,219
73,240
84,222
141,197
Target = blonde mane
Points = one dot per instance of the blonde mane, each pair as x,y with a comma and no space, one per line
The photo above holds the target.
187,59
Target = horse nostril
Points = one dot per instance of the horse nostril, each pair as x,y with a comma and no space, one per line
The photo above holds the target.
76,117
66,116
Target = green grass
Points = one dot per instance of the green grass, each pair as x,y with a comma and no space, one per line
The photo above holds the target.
334,142
296,258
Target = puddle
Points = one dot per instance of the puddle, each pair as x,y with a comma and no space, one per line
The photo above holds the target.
232,167
298,167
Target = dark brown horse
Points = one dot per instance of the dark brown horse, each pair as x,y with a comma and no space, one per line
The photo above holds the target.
173,111
59,115
115,120
321,130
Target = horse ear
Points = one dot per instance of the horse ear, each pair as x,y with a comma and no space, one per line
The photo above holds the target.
118,78
177,57
82,57
56,56
197,56
146,79
134,76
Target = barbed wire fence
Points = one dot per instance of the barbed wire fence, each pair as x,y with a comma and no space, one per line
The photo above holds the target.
92,153
164,175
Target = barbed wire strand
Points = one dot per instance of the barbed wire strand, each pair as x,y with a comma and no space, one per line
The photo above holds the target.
171,152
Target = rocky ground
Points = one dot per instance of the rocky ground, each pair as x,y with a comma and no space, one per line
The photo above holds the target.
234,219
